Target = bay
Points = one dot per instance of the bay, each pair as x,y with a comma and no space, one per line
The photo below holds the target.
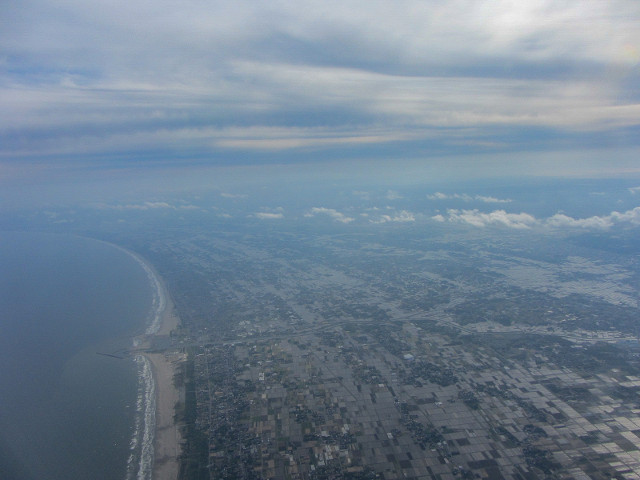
66,410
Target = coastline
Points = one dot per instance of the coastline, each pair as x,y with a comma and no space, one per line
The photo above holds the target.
166,443
167,434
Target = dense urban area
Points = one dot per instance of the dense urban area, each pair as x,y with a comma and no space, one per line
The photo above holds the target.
438,353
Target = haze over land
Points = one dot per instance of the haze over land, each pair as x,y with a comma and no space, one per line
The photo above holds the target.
405,332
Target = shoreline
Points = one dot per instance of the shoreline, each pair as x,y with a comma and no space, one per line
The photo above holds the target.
167,438
166,435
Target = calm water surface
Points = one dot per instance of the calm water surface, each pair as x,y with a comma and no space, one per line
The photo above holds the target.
65,411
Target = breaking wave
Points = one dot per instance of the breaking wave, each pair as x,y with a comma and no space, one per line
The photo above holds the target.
141,457
140,462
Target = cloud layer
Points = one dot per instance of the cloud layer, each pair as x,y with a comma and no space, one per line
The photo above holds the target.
467,198
336,215
200,79
526,221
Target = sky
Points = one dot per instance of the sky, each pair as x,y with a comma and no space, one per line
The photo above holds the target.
121,85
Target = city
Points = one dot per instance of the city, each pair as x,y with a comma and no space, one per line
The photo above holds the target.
358,356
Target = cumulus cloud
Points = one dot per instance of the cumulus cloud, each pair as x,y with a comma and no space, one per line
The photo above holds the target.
526,221
403,216
604,222
467,198
336,215
268,215
492,199
562,220
497,217
438,196
632,216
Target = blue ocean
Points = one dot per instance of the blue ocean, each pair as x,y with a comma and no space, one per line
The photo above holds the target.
71,393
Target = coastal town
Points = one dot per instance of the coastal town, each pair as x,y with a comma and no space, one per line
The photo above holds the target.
292,362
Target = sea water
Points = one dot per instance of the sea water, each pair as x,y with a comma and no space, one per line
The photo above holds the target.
69,407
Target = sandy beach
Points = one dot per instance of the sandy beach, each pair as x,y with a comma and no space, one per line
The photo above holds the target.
167,435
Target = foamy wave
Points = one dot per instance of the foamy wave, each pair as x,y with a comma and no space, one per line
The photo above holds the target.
132,461
140,462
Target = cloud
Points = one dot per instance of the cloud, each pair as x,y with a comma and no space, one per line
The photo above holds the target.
147,206
467,198
632,216
362,194
605,222
492,199
561,220
402,217
275,139
497,217
201,79
438,196
526,221
268,215
336,215
445,196
634,190
392,195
